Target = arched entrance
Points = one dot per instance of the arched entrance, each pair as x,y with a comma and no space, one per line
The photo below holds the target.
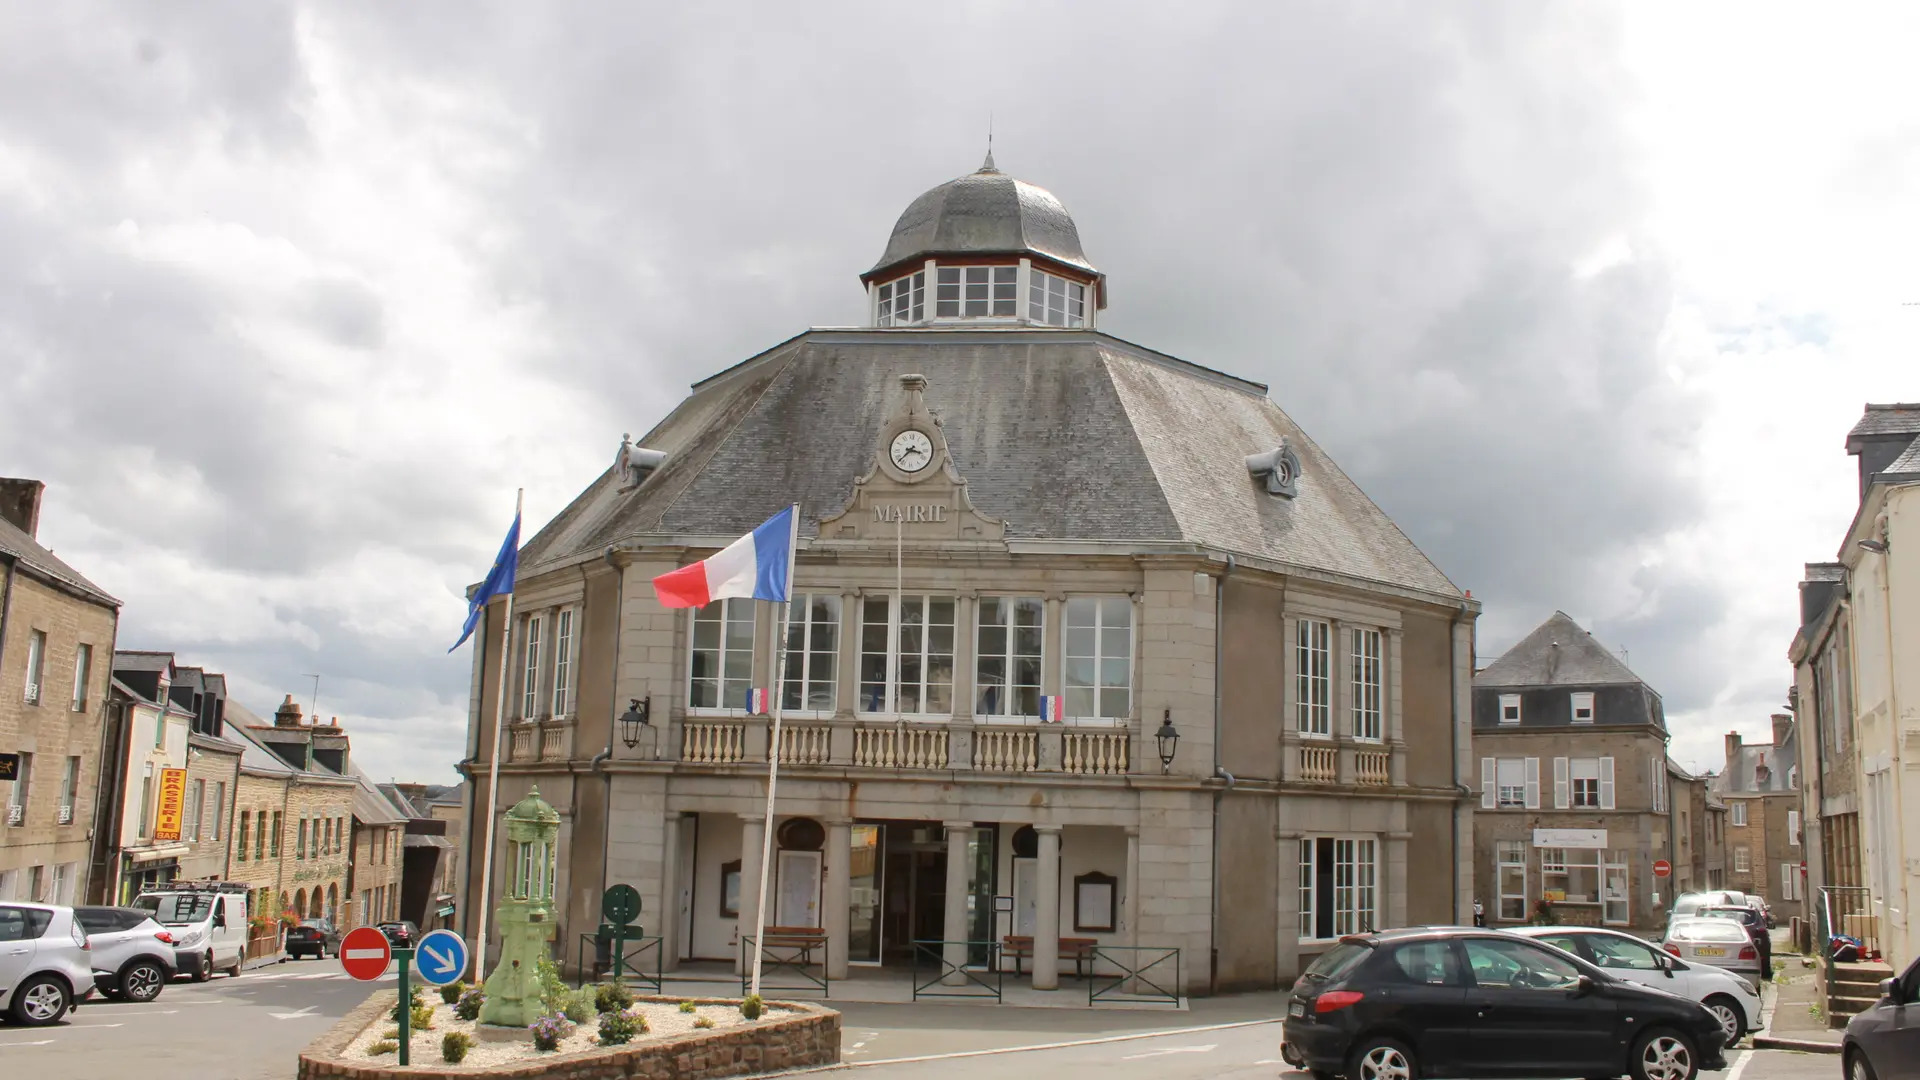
300,904
333,902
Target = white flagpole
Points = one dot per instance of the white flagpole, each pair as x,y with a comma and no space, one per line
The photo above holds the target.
773,753
493,767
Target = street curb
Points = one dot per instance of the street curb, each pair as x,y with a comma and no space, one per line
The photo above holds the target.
1803,1046
1132,1036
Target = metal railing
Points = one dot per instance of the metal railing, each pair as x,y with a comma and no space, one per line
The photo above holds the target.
788,955
1134,973
969,982
1845,909
626,963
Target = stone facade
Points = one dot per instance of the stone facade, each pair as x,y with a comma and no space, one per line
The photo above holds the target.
1766,853
56,646
293,815
213,773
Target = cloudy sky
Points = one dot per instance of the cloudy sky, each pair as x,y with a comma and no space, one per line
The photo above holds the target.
292,298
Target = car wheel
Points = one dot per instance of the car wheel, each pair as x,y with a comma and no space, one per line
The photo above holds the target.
43,1000
1664,1054
239,962
141,981
1858,1067
205,970
1379,1058
1733,1022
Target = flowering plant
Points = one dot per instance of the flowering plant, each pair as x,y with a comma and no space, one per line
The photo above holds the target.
549,1030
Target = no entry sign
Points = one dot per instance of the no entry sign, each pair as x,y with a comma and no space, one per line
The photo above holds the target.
1662,868
364,953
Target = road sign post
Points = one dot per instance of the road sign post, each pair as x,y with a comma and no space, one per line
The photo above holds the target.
364,953
1662,868
442,956
406,1003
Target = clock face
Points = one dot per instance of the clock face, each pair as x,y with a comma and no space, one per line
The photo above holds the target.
911,450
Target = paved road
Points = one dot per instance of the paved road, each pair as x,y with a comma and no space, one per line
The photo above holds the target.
249,1028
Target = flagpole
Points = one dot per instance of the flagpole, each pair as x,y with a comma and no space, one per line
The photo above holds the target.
493,766
773,751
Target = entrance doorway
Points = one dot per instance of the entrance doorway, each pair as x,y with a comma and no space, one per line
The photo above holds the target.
898,889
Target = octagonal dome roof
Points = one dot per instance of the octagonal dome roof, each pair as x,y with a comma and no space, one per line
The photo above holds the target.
984,213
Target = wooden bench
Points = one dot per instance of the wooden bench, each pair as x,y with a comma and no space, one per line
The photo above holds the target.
1077,949
799,940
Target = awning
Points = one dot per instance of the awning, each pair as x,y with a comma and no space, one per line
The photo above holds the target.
155,854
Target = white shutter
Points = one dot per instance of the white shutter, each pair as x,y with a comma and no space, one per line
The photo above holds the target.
1533,783
1793,827
1786,881
1488,766
1561,785
1606,783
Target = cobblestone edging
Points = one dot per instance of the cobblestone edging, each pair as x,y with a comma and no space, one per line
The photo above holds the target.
798,1035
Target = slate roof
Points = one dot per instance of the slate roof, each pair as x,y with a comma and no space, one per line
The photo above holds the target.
1559,652
986,212
1896,418
1907,462
26,549
370,806
1072,435
253,756
140,660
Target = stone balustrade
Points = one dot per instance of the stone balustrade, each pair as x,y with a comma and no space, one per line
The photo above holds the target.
522,747
1319,764
805,744
900,746
1006,749
1372,767
713,742
1102,753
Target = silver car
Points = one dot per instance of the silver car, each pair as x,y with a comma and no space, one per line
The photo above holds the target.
133,956
1720,943
45,962
1883,1042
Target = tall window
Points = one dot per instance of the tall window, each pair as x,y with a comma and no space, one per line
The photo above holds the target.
1509,783
160,726
1055,301
813,653
145,826
36,661
70,790
1586,783
1657,778
1583,707
1339,879
1312,677
1737,810
1007,649
906,655
722,670
902,300
1366,684
260,837
300,841
530,672
240,849
1742,859
218,814
1615,889
22,787
82,673
196,805
975,291
273,846
1510,870
1099,667
563,662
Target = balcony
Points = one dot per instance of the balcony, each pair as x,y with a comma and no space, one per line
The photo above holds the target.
900,746
1373,767
1319,763
997,747
1006,750
703,743
1099,753
16,815
66,815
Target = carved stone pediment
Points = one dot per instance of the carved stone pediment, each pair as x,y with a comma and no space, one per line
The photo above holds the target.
912,492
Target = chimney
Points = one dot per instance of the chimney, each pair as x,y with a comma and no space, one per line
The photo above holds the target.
1733,749
20,503
1781,721
288,714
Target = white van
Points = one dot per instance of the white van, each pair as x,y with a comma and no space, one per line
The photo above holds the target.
208,923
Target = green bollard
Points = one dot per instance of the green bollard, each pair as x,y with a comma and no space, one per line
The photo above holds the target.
405,958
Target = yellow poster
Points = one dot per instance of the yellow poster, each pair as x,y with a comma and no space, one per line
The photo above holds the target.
172,806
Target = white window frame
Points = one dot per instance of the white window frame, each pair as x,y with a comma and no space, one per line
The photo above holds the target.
1071,688
730,614
1053,300
1616,910
564,643
1584,774
219,809
1737,813
1494,792
1742,859
1509,703
82,674
804,654
36,665
902,301
1367,670
1657,781
895,606
1313,677
1793,828
533,636
990,277
1356,885
1510,855
1009,656
1582,701
196,805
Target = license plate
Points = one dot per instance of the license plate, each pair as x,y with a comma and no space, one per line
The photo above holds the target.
1708,950
1296,1009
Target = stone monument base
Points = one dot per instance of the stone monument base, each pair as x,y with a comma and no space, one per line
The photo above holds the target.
499,1033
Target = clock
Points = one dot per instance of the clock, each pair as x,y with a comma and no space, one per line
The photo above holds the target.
911,451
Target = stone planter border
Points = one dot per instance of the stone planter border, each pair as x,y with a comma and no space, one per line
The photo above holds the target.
802,1034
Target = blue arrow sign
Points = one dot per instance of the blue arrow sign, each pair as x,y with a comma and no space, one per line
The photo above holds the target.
441,957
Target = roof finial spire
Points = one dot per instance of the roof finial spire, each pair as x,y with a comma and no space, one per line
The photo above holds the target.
987,166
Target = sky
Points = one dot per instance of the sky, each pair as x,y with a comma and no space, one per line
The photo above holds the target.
293,297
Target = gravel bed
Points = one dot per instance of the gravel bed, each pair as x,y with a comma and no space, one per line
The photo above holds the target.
664,1021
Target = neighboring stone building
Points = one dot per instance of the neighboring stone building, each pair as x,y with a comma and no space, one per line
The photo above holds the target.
56,644
432,853
292,817
1822,656
377,867
1761,788
999,506
1573,783
1688,825
1716,852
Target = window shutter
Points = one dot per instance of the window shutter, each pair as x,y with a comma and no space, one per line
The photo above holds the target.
1561,784
1487,768
1793,827
1606,783
1786,881
1533,783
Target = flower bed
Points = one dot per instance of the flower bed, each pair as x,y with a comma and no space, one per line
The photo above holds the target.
787,1035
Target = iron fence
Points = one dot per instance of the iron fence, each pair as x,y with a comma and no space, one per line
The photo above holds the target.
985,982
1134,973
626,961
800,958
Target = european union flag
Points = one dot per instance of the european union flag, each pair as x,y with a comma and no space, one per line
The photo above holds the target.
499,581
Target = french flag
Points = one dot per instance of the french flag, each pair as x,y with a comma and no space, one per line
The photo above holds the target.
759,702
758,565
1052,708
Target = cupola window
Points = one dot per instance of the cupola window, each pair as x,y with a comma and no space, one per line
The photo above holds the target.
903,300
1054,301
977,291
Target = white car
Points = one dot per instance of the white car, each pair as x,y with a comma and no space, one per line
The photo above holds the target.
45,962
208,924
1726,995
1721,943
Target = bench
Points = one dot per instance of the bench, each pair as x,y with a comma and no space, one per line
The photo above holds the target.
1077,949
799,941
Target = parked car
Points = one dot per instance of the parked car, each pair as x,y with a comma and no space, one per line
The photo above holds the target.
1690,903
1720,943
401,934
315,938
1728,996
1882,1042
1759,903
45,964
1452,1001
133,955
209,927
1757,930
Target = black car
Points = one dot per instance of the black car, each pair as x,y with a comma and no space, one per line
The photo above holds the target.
315,938
1452,1001
400,935
1883,1041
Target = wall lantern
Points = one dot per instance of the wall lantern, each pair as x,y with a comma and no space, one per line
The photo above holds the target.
634,719
1168,739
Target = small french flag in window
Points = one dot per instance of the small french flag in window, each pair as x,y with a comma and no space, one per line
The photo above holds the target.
1053,708
759,702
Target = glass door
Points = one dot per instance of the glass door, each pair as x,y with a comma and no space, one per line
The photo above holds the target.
980,880
865,864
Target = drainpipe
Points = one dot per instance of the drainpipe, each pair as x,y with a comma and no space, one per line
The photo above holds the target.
600,759
1453,742
1219,681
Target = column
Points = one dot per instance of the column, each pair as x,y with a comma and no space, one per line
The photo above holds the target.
1046,916
1053,635
1393,880
965,606
669,907
838,895
752,835
954,929
1390,700
849,673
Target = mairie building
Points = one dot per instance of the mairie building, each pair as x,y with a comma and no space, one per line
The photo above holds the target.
1263,732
